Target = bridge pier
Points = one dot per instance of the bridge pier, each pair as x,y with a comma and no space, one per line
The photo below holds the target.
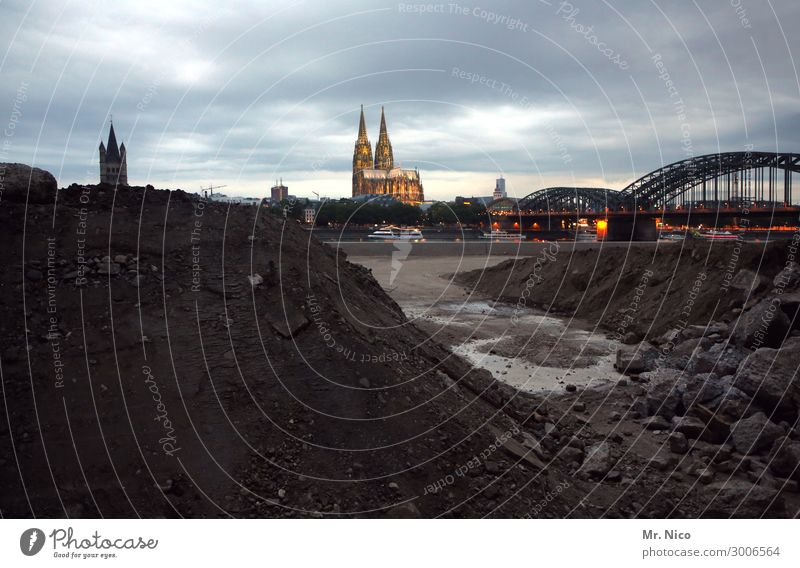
632,229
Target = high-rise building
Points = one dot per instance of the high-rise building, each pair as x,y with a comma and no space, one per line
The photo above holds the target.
279,192
380,176
113,161
499,189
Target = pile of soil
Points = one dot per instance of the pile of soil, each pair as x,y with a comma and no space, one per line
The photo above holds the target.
167,356
644,291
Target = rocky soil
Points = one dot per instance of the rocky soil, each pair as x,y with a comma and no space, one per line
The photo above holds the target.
708,415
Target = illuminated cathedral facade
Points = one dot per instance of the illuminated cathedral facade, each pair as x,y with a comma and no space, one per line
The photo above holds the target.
380,176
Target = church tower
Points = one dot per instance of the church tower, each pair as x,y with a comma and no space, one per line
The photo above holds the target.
113,161
383,149
362,154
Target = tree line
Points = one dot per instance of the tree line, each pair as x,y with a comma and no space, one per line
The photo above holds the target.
346,212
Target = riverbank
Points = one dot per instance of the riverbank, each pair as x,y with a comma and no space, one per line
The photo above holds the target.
533,352
481,248
672,438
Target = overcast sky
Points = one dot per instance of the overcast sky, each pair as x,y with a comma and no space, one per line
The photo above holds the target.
592,93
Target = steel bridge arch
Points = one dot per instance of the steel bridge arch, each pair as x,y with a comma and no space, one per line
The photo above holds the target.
582,199
503,205
663,186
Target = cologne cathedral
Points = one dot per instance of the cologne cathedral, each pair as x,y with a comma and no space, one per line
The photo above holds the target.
381,177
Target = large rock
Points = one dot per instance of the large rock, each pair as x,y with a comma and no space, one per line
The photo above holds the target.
651,355
753,434
598,460
703,388
788,278
716,393
21,183
288,321
747,280
656,423
683,356
678,443
763,325
107,267
664,390
694,331
717,327
689,426
770,376
790,303
630,360
671,336
733,404
738,498
721,358
784,459
717,427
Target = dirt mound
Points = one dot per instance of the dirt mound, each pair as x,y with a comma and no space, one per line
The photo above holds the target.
641,290
167,356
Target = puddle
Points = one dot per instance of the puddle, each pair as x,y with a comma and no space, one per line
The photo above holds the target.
537,378
538,353
534,352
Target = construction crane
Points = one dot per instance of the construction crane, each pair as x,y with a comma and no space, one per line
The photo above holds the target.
210,189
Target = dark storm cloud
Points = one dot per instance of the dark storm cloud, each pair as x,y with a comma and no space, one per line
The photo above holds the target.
544,91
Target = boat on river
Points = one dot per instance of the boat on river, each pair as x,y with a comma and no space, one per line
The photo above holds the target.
502,236
392,233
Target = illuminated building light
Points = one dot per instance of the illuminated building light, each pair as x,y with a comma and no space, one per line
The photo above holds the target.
602,229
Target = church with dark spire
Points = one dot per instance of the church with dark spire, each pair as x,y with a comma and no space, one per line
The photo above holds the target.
380,176
113,161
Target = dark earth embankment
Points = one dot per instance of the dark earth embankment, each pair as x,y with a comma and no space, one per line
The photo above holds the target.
643,290
144,374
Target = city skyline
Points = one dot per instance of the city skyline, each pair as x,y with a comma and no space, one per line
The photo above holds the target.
612,99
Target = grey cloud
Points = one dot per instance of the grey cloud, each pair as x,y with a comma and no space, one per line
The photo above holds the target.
251,91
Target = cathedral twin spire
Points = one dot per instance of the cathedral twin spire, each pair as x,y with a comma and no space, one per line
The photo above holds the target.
384,160
362,155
